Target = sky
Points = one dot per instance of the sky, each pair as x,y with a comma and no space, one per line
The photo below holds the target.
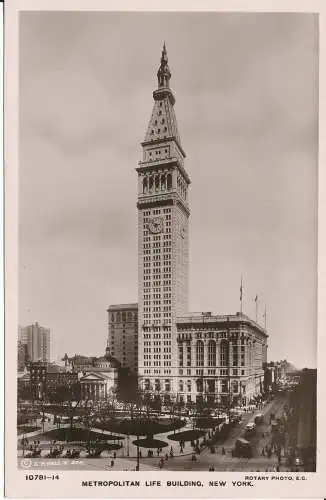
246,105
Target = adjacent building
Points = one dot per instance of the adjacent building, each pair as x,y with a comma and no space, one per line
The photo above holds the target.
123,334
37,340
220,358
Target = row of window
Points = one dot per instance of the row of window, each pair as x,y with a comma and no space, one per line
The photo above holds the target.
211,385
159,182
123,317
157,211
157,363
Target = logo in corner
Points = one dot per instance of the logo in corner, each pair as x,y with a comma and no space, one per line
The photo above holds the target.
26,463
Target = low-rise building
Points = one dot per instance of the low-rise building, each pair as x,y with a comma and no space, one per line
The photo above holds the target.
220,359
98,376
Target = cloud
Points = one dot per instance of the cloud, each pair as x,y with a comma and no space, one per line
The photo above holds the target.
246,106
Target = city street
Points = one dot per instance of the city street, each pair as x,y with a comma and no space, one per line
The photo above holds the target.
126,456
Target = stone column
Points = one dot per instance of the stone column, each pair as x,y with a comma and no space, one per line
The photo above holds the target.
205,353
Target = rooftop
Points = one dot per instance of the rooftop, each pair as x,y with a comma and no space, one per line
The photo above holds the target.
120,307
211,318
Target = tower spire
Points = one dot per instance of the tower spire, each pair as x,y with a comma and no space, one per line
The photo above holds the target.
164,74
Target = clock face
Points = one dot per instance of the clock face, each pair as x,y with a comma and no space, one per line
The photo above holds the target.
155,225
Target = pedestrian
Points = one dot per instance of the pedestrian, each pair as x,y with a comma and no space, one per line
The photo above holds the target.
166,457
114,455
112,463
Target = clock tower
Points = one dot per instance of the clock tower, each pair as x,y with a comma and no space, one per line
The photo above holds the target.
163,214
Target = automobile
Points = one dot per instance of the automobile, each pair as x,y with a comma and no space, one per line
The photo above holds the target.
250,429
235,418
298,461
242,448
259,418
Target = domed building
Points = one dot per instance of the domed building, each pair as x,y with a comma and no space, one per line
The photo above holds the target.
98,376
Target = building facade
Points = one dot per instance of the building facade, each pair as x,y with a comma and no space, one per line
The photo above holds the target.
22,356
123,334
99,385
37,339
97,376
163,214
220,358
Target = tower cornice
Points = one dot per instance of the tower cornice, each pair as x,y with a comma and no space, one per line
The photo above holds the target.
145,166
164,141
154,200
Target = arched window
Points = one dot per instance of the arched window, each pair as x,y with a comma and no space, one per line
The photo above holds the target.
157,183
235,358
169,181
200,353
180,355
212,353
224,353
235,386
199,385
163,182
145,185
151,182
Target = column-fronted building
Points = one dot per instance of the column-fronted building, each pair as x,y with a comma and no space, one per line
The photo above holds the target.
163,213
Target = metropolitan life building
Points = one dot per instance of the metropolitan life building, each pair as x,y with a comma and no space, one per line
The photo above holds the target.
182,356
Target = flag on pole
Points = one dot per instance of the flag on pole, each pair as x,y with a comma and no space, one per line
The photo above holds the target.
264,316
256,303
241,292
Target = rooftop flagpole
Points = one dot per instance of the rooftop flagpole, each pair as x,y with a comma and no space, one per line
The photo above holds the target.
256,302
241,294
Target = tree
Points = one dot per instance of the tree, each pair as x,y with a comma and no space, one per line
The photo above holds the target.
127,388
25,392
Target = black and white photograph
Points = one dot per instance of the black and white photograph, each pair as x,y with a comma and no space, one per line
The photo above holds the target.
167,243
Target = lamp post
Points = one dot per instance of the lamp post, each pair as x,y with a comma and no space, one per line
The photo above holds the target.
138,457
23,442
